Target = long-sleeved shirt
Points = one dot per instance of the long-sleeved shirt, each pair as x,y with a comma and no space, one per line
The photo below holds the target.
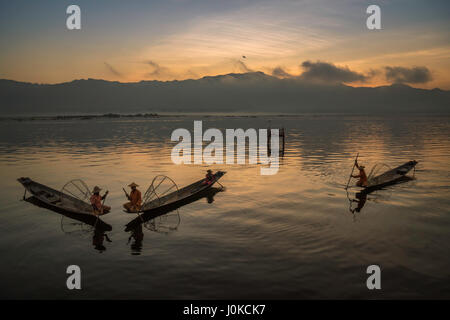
362,177
96,201
135,197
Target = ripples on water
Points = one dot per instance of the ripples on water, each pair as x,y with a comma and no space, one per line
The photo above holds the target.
290,235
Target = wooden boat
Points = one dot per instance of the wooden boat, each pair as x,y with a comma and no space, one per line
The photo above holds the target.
208,193
57,199
88,219
180,195
389,177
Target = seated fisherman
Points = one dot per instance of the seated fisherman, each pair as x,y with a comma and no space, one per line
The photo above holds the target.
96,201
209,179
135,199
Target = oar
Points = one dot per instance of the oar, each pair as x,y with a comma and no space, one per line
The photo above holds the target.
103,202
128,197
98,215
354,164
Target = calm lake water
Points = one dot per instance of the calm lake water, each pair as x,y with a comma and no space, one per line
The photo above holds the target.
289,235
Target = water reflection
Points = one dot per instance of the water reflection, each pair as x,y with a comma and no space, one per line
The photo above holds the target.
79,224
99,238
360,199
163,220
138,237
266,237
358,202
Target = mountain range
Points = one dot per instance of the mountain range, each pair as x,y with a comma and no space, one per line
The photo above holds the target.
234,92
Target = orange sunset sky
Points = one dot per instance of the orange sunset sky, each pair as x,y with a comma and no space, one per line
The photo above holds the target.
174,40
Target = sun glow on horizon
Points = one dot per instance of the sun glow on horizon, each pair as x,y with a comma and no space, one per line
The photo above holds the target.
178,41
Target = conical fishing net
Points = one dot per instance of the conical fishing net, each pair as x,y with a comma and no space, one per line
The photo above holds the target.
160,190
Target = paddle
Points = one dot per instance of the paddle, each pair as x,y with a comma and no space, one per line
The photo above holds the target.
104,198
103,203
128,197
98,215
354,164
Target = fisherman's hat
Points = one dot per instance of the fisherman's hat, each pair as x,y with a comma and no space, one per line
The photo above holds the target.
96,189
133,185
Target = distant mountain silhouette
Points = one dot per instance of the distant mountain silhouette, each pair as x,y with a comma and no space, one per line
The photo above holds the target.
234,92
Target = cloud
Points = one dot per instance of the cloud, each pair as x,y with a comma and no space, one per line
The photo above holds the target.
113,70
242,66
157,69
373,73
330,73
280,73
408,75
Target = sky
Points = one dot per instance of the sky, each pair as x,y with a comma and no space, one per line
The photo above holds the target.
320,40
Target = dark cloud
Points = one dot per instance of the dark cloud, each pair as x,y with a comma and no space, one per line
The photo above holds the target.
373,73
112,70
157,69
408,75
242,66
280,73
192,74
329,73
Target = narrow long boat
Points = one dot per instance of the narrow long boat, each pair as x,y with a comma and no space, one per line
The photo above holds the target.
389,177
85,218
57,199
208,193
181,195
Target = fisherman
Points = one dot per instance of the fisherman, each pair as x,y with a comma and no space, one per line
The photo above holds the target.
362,182
96,201
209,179
135,199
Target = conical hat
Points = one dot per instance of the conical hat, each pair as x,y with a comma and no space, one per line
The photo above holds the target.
96,189
133,185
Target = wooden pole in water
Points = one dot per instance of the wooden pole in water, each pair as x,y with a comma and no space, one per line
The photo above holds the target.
354,164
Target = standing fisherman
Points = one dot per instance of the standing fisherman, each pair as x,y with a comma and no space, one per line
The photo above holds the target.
134,197
362,182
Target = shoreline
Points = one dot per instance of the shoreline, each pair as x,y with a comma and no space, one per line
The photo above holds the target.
194,114
79,117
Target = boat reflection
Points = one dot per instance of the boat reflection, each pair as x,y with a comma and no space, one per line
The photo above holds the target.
361,197
163,220
72,223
